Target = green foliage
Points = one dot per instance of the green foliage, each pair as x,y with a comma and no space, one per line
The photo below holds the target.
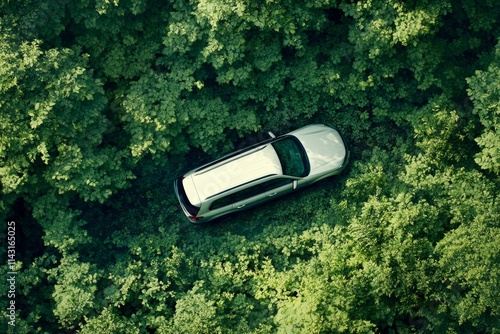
468,267
484,93
468,214
52,125
52,212
156,116
96,93
74,290
110,322
194,314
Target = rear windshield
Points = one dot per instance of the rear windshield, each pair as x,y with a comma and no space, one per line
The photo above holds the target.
193,210
292,156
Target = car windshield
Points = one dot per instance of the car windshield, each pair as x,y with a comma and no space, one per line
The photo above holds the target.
292,156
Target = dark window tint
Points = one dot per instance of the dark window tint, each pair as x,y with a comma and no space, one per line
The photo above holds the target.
249,192
292,156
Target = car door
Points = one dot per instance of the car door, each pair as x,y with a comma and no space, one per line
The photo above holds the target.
242,199
279,187
249,197
265,192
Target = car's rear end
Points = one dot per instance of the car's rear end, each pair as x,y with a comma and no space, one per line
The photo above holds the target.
190,210
198,188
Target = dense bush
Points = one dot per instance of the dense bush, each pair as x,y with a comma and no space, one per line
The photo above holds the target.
103,103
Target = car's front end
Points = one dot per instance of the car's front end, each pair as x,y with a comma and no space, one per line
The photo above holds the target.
326,150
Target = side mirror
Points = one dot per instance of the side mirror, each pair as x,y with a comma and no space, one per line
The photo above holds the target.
271,134
295,183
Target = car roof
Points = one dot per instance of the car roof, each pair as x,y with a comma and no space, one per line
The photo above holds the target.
230,173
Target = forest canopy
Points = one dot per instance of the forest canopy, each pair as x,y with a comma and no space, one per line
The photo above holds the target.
104,102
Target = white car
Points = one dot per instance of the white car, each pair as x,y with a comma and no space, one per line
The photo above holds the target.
261,172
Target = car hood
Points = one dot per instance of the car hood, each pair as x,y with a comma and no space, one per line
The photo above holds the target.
323,145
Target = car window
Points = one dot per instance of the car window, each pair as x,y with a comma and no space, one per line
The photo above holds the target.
274,183
292,156
249,192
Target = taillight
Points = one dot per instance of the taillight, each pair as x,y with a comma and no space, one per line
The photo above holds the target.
195,218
